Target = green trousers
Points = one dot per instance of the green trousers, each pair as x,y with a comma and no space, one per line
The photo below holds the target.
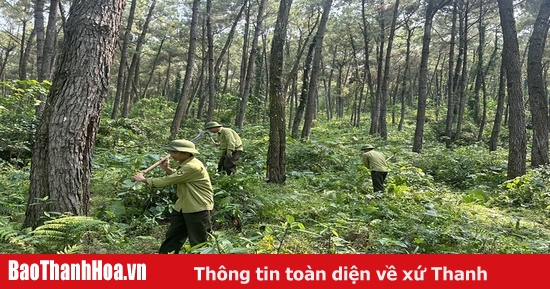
194,226
229,165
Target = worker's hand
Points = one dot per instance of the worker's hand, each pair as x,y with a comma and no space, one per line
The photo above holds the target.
229,154
165,164
139,178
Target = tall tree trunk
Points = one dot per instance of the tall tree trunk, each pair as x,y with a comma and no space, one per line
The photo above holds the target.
300,51
339,85
537,93
7,50
406,86
121,77
376,101
463,83
244,53
479,68
385,81
27,54
219,61
368,75
356,105
22,68
204,70
50,40
329,100
154,66
423,77
315,68
200,87
62,156
39,28
133,72
165,90
493,144
450,90
239,121
517,150
180,110
276,152
304,91
480,87
212,73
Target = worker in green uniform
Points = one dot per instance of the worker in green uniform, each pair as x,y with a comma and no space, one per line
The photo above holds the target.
375,161
230,144
190,218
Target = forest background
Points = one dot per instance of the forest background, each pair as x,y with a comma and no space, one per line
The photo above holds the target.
453,91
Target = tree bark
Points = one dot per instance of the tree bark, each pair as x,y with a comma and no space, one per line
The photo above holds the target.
480,77
133,71
154,66
493,144
276,152
537,93
211,83
423,78
239,121
244,53
62,155
315,68
50,40
517,150
123,63
180,110
450,90
406,85
463,83
368,76
39,29
22,69
385,81
304,91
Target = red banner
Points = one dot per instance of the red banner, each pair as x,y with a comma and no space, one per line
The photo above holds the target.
272,271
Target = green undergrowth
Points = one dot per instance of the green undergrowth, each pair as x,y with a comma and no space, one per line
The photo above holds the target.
440,201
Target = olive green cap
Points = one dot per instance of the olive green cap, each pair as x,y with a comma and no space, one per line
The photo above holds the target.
367,147
212,124
181,145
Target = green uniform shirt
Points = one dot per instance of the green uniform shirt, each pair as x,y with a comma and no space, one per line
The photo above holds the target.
194,189
375,161
229,140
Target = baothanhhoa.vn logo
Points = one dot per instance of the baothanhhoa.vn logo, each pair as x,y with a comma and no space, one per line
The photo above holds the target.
94,270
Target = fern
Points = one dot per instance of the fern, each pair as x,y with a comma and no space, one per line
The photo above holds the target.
63,234
15,241
7,232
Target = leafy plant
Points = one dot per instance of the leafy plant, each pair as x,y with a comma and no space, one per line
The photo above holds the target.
18,120
61,233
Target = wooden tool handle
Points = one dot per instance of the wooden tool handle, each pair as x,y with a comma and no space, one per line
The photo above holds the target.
156,164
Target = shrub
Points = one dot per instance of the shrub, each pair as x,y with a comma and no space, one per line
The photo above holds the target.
18,120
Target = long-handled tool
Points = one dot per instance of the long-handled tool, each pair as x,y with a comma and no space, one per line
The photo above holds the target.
197,138
213,141
151,167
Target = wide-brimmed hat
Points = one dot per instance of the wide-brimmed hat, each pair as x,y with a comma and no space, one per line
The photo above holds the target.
212,124
367,147
181,145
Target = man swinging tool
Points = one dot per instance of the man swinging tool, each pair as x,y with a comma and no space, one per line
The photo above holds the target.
190,218
197,138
